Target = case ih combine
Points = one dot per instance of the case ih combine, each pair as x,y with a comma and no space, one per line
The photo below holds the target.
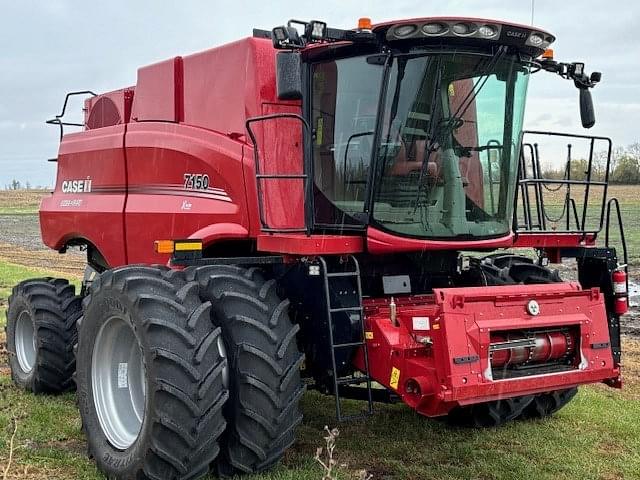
293,209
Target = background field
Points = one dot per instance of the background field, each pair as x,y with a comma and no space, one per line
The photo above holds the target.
596,437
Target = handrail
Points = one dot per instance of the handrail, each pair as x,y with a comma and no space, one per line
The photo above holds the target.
58,118
304,176
623,241
537,182
614,201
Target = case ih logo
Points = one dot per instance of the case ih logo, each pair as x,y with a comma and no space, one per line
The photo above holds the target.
516,34
76,186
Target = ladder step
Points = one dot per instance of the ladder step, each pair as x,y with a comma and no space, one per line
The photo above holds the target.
345,309
350,344
342,274
352,381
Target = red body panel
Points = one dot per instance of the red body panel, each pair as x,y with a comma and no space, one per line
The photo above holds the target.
97,155
186,117
460,322
158,205
379,242
159,94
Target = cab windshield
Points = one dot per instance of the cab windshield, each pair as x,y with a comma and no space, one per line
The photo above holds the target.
448,140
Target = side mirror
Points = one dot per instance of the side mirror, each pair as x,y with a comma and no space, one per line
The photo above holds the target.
289,75
587,115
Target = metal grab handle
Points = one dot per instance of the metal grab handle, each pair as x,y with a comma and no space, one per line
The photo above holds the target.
58,118
304,177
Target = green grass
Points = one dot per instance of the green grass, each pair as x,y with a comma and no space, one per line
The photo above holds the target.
596,437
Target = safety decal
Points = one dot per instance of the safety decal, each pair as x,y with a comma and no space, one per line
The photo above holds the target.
395,378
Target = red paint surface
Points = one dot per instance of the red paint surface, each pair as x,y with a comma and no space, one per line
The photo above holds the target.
461,323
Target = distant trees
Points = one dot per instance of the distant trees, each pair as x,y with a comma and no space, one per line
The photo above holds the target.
18,185
624,167
14,185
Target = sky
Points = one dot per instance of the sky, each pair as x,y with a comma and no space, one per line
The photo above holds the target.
50,47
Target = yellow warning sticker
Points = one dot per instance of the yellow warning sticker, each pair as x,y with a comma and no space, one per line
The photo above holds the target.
395,378
368,335
452,90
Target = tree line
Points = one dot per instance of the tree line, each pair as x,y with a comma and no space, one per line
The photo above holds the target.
624,167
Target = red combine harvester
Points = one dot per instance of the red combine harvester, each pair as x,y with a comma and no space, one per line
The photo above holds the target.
292,210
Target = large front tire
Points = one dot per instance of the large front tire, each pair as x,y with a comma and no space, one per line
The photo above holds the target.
546,404
41,333
150,376
489,414
264,366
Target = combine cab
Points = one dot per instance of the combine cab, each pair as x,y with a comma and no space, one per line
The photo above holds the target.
322,205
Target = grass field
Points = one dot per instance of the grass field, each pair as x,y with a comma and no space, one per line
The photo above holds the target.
629,199
596,437
20,202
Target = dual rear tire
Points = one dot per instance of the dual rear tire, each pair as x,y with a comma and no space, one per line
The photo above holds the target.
181,371
265,387
150,375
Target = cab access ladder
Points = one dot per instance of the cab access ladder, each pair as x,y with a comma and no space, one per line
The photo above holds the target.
352,272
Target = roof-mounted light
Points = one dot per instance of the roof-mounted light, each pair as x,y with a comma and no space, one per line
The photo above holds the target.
435,29
364,23
532,40
286,37
464,29
536,39
315,30
539,40
404,31
298,34
488,31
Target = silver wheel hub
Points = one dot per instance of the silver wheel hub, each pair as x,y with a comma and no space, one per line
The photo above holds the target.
118,382
25,341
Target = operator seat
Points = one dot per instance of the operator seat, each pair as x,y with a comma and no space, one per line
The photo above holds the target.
409,160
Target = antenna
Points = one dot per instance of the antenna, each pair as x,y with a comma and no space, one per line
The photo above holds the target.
533,8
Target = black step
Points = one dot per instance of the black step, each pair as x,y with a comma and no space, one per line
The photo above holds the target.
345,309
350,344
342,274
352,380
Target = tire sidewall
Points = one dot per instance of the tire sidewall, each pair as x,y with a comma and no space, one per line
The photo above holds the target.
107,303
18,305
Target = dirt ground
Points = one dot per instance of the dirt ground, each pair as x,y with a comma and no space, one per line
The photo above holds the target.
20,243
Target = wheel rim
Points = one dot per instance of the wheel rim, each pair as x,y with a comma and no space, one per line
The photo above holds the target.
118,382
25,340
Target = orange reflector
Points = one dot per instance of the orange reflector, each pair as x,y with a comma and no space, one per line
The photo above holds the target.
548,54
364,23
163,246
